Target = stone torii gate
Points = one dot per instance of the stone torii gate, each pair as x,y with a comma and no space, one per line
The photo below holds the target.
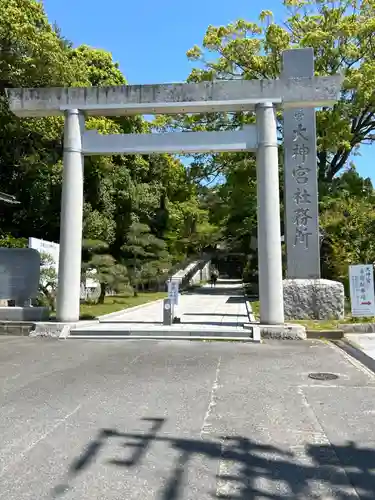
261,96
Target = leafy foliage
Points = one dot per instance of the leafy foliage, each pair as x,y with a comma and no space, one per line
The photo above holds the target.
101,266
47,281
130,202
348,223
342,36
8,241
143,214
145,255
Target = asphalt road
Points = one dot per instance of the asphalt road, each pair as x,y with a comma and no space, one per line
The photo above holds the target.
161,420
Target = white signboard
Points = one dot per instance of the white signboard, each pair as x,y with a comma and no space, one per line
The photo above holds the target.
361,278
173,294
91,282
53,250
47,247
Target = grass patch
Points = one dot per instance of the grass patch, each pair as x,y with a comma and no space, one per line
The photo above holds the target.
116,303
255,308
325,324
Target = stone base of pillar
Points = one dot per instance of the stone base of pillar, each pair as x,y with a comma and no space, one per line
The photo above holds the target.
317,299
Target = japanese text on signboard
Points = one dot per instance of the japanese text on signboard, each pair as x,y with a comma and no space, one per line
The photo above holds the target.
301,196
361,279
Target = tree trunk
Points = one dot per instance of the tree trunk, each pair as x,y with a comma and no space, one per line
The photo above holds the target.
102,293
136,284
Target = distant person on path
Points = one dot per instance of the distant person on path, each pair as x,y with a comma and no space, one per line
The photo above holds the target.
214,277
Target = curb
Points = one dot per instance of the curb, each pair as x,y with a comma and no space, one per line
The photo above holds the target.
56,330
286,331
325,334
249,311
65,332
355,352
166,337
16,328
358,327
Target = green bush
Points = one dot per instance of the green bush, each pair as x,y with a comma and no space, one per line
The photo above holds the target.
9,241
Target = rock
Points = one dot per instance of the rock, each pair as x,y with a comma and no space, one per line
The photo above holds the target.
283,332
313,299
51,329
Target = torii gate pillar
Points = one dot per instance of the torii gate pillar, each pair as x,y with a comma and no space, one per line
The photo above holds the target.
69,284
269,247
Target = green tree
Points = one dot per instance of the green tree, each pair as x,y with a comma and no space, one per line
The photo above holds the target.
47,280
8,241
341,34
145,255
347,224
110,274
33,54
350,184
349,228
237,207
100,69
157,191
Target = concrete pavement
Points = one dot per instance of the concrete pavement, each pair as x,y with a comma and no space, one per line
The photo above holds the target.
182,421
223,305
219,311
363,341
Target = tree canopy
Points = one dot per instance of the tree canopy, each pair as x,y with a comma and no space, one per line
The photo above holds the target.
120,192
342,36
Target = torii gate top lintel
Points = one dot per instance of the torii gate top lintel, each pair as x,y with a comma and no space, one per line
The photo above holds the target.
173,98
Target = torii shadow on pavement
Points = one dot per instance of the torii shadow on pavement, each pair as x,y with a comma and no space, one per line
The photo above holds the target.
342,470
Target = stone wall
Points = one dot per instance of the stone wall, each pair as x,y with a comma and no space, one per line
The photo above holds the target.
202,274
194,273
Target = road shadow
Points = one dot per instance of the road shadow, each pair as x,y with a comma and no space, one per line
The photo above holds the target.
220,315
228,281
134,322
249,466
212,323
236,300
221,288
217,290
185,321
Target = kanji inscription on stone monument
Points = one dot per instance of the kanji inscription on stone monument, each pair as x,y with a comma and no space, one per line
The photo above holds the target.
300,172
301,190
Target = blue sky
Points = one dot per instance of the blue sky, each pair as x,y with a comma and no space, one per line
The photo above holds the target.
150,38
